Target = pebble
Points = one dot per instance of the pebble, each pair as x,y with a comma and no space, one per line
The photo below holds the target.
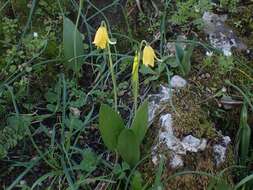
177,82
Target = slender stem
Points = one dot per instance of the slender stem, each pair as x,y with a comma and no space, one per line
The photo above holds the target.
113,76
136,83
136,96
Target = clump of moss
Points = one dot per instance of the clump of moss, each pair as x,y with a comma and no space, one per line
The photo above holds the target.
188,118
242,23
202,161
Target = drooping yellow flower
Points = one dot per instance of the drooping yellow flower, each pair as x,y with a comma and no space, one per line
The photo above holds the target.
101,38
148,56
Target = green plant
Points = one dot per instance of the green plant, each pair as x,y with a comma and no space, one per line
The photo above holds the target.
54,127
226,64
183,58
219,181
229,5
117,137
158,178
191,10
73,46
13,133
90,161
102,41
244,136
135,79
121,170
137,182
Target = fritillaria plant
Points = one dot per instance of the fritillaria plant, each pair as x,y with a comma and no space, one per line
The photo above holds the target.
124,140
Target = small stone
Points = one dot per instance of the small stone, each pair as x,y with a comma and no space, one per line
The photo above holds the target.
22,182
226,140
193,144
209,53
220,35
220,150
208,75
170,48
152,108
165,93
219,154
176,161
156,99
167,137
155,160
166,123
203,145
35,35
224,89
75,111
189,143
177,82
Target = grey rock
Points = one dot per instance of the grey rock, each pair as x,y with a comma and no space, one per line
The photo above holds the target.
220,150
220,35
177,82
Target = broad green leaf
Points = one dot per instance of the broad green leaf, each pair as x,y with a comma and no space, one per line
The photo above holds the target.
183,58
51,97
171,61
161,68
110,126
152,78
129,147
140,122
179,53
72,45
89,161
186,62
158,175
222,185
179,57
137,181
120,171
244,135
244,181
212,184
74,122
146,70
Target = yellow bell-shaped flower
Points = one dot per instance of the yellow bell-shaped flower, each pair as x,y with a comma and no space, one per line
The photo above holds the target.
101,37
148,56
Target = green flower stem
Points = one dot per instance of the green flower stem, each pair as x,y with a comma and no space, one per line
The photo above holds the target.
113,76
136,83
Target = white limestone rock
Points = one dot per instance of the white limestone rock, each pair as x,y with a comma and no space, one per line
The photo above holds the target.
177,82
220,150
220,35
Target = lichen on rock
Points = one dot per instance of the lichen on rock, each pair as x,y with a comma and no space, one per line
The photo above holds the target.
182,134
220,35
